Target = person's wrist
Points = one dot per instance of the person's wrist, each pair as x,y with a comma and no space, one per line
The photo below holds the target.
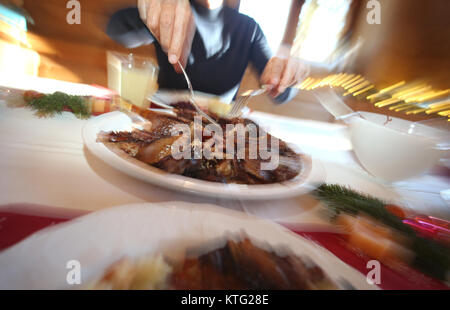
284,51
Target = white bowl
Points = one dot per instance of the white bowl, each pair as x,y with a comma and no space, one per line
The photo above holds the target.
394,149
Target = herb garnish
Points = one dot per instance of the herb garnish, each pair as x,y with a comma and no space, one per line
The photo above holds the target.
49,105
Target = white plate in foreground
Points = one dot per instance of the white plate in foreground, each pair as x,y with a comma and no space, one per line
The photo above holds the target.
118,121
99,239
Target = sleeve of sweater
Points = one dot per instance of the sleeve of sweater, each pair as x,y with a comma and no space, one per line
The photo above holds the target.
126,28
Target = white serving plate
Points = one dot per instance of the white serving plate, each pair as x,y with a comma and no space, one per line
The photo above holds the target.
119,121
99,239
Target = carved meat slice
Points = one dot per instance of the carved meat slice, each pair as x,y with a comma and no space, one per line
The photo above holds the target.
163,124
175,166
253,167
127,136
157,150
242,265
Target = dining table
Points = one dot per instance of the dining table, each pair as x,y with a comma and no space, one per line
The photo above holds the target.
46,169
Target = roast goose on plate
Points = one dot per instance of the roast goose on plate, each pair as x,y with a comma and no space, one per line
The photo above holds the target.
240,265
153,146
236,264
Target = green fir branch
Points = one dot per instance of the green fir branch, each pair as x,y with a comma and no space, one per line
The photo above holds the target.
432,257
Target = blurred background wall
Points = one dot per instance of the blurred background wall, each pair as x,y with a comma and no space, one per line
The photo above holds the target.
412,42
75,53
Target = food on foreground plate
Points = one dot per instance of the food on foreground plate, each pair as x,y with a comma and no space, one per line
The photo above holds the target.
242,265
237,265
146,273
153,146
383,231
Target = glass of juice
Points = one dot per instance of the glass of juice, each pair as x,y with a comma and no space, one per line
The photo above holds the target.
114,69
139,80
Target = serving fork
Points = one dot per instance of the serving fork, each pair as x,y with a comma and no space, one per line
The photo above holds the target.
242,100
192,101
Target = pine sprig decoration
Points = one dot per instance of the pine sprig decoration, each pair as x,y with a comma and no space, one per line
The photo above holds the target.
342,199
49,105
432,258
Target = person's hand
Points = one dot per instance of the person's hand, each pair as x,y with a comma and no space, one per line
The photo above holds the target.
283,71
172,24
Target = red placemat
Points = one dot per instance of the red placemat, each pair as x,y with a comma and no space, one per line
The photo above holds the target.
15,227
409,279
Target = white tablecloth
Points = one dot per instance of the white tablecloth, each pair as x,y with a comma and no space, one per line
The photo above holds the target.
43,161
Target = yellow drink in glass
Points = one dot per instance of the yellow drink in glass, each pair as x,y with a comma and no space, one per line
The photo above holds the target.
138,81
